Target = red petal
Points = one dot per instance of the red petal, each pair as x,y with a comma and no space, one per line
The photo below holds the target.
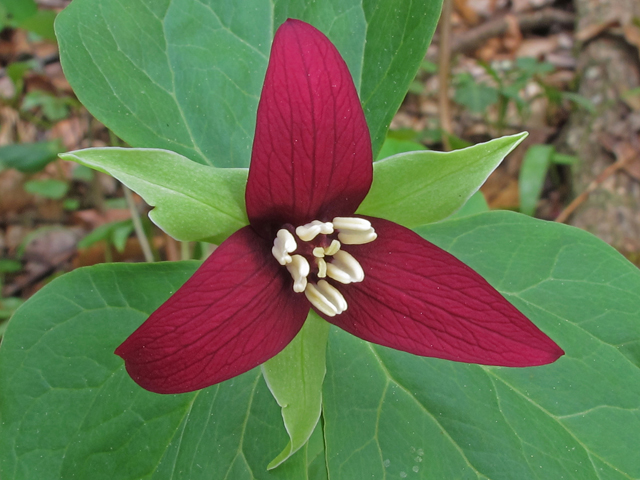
420,299
237,311
312,151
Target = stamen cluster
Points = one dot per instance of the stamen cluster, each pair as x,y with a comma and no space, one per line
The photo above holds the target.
314,257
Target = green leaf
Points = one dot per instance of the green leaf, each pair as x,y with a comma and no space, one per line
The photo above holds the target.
71,204
417,188
193,202
456,142
29,157
532,174
54,189
474,95
530,66
564,159
41,23
393,146
580,101
316,465
83,173
8,266
393,415
476,204
54,108
120,234
295,378
186,75
398,34
111,233
69,409
15,11
16,72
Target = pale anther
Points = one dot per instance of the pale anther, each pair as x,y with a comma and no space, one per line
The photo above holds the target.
283,245
354,231
311,230
319,301
351,237
332,294
333,248
326,298
344,268
299,269
322,267
319,252
351,223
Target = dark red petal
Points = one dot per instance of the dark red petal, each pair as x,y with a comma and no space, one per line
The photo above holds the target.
420,299
312,151
237,311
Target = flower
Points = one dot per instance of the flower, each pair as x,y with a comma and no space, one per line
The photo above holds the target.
311,167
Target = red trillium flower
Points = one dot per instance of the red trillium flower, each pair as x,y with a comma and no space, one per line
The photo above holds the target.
305,247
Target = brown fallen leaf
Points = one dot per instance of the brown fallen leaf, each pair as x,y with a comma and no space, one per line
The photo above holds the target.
593,30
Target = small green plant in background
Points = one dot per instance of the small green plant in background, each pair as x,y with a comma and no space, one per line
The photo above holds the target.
535,166
507,84
29,157
509,80
26,15
50,107
8,305
114,234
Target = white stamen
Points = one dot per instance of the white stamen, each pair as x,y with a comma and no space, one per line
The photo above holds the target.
351,223
326,298
349,237
311,230
320,301
333,295
333,248
283,245
322,267
299,269
330,260
354,231
344,268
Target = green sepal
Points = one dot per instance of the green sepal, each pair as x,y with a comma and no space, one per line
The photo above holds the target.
418,188
192,202
295,378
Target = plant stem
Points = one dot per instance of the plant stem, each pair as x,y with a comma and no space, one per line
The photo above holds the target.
137,225
444,68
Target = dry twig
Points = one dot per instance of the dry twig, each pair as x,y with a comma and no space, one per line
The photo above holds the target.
470,41
444,70
624,157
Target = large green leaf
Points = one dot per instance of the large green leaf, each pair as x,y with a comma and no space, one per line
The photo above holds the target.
185,75
69,409
394,415
193,202
417,188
